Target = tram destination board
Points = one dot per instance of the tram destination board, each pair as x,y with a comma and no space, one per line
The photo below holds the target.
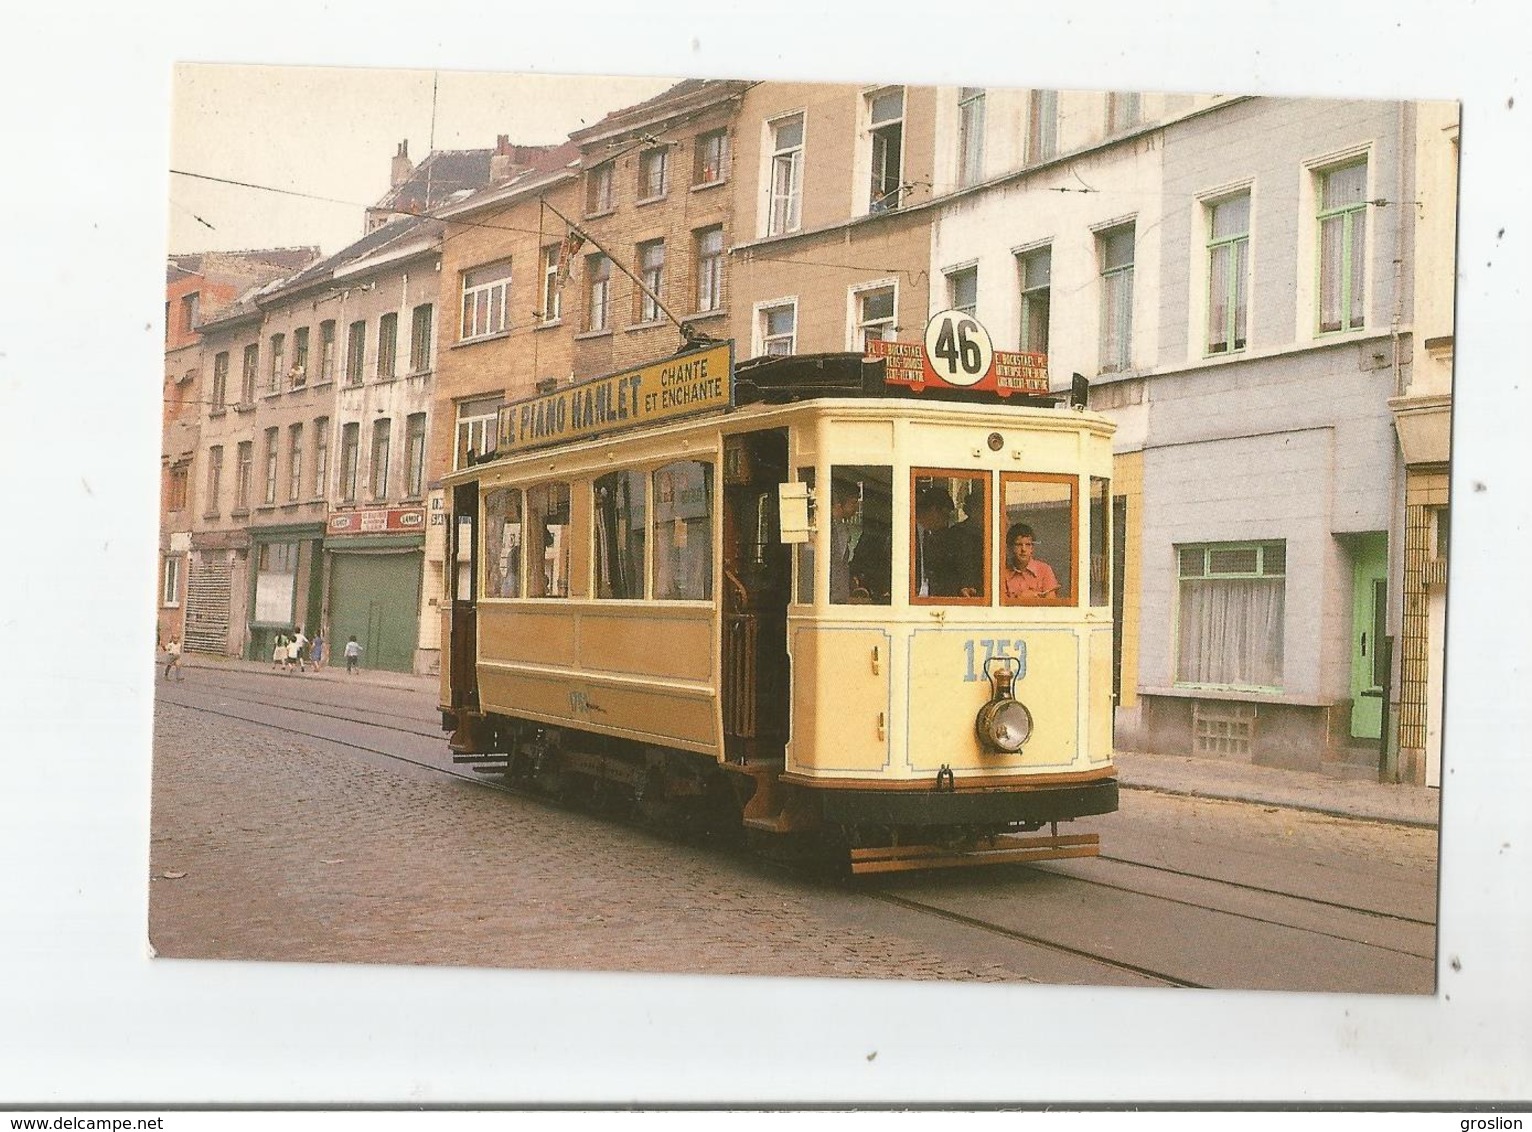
1000,371
697,381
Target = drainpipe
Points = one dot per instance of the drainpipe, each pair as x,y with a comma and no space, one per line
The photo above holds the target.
1400,522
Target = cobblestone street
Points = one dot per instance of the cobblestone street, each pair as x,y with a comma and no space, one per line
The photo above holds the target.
297,850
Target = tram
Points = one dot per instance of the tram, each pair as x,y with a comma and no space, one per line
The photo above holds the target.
793,598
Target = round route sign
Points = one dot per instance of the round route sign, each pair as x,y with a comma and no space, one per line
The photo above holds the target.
958,349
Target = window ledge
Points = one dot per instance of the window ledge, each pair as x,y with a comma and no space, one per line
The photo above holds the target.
418,374
240,513
245,407
700,316
551,324
389,380
323,384
599,215
1244,695
651,200
270,394
703,186
585,334
213,414
652,324
478,338
211,516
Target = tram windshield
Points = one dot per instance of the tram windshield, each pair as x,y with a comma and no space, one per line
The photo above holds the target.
949,538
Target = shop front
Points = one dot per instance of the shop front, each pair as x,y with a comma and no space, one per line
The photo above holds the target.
285,584
375,559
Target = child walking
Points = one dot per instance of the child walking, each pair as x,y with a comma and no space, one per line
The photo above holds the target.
173,658
353,653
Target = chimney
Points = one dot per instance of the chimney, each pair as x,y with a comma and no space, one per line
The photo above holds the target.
502,163
402,168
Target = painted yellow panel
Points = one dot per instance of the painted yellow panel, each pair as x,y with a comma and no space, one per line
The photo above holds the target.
841,705
446,657
648,641
946,687
866,442
681,717
537,633
1099,698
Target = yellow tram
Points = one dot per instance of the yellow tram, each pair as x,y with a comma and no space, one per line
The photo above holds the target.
796,599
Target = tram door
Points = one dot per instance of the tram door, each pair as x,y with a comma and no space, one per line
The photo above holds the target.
462,577
757,576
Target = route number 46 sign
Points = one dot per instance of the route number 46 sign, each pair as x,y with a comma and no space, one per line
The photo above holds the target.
958,348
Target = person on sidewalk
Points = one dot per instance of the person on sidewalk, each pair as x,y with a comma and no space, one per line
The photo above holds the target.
353,654
316,650
279,652
295,658
173,659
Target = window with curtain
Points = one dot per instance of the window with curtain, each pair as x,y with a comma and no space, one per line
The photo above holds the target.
1036,270
1116,248
620,526
1228,274
970,135
502,542
786,175
1342,247
548,551
1231,610
683,532
1042,125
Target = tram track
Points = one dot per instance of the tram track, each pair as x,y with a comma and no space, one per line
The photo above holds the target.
323,710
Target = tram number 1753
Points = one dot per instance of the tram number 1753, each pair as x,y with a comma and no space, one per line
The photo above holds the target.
978,650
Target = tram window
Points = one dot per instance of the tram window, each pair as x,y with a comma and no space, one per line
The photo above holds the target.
502,542
949,537
619,534
548,513
1041,529
861,534
806,549
683,531
1100,565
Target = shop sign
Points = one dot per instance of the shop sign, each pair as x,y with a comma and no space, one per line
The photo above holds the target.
377,521
957,354
679,386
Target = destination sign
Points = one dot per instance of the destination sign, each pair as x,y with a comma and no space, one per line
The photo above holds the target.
679,386
1004,371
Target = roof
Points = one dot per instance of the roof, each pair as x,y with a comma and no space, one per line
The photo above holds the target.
686,94
256,261
440,174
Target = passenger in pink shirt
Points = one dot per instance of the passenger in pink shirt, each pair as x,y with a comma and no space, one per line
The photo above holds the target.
1026,577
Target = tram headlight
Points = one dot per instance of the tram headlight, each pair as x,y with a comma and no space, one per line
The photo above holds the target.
1004,725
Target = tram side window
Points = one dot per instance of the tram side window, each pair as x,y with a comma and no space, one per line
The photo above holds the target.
683,531
1100,564
949,537
1041,520
502,542
861,534
548,555
619,534
806,549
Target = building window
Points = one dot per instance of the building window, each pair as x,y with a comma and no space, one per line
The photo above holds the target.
350,456
620,524
1342,247
220,380
1122,111
1116,250
476,430
598,190
777,327
548,516
710,269
553,306
874,316
170,593
189,305
269,495
327,350
300,370
1228,274
175,488
598,295
356,352
653,173
970,135
786,176
1230,615
321,455
295,462
651,270
388,346
415,455
683,532
963,290
381,433
274,381
1036,271
710,157
243,472
249,374
486,298
420,338
1042,126
214,478
885,114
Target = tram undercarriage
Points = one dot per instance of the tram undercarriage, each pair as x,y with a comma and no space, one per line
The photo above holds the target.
860,831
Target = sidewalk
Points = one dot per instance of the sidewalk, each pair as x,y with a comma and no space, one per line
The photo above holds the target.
1136,770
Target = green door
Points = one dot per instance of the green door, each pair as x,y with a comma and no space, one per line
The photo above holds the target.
1369,624
376,598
